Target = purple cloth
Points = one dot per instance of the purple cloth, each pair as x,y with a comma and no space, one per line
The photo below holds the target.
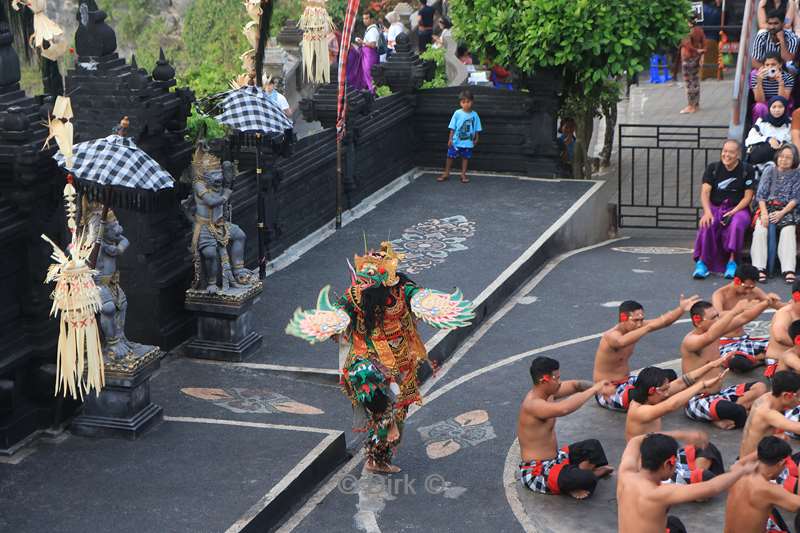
359,67
760,110
716,243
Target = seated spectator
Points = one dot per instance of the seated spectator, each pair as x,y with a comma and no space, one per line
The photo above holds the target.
395,28
277,98
768,81
726,194
463,55
774,40
768,133
425,26
787,8
777,196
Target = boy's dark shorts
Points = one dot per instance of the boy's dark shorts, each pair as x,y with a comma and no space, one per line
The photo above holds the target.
455,153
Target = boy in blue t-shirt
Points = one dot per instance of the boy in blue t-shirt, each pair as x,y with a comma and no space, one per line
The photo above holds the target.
464,128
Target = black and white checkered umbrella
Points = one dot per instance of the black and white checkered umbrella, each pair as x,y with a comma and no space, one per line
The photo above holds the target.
117,162
249,109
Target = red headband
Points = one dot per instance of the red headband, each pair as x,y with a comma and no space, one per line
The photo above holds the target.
651,390
696,319
737,281
544,379
672,460
797,340
796,296
623,317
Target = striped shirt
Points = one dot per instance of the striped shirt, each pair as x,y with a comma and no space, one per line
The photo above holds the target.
770,85
763,44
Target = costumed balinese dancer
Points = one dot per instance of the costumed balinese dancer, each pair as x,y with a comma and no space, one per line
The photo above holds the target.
749,352
375,319
779,338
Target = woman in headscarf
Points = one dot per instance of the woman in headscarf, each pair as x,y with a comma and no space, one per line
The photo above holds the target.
769,133
691,57
774,225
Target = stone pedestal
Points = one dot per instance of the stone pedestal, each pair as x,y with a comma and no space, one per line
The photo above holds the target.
123,408
225,323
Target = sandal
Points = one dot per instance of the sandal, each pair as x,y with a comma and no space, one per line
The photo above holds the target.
789,277
464,179
762,276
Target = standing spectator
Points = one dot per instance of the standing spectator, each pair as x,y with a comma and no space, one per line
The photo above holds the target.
566,144
786,8
277,98
395,28
777,196
465,127
769,133
726,194
446,32
425,26
768,81
691,58
775,39
712,17
361,59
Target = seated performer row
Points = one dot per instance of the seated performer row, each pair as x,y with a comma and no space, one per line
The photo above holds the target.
716,341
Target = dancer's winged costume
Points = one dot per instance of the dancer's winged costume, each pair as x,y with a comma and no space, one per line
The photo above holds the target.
375,319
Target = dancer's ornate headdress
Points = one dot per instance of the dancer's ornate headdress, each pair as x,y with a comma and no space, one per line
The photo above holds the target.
381,265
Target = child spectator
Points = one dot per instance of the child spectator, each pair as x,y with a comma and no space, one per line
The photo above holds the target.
463,55
464,129
769,133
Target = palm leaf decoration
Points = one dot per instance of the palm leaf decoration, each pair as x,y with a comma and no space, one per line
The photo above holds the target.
442,310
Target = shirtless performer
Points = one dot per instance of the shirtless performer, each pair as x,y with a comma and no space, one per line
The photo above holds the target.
767,418
751,500
643,498
725,408
545,467
789,359
654,396
749,352
617,344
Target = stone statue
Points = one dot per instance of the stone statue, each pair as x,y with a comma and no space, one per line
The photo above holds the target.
118,351
217,243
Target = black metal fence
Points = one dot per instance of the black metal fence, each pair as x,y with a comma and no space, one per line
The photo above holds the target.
660,172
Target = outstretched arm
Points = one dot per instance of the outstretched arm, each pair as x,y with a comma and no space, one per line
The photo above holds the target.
750,314
647,413
568,405
774,300
670,317
679,384
570,387
617,340
674,494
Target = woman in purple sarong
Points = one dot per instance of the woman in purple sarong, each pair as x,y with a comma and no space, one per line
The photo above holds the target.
361,58
726,195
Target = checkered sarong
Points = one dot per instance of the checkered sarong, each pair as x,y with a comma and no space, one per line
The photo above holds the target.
704,407
618,401
250,109
745,346
794,415
686,471
116,162
542,476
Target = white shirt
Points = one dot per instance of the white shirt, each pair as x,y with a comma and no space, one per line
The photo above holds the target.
279,99
372,34
394,30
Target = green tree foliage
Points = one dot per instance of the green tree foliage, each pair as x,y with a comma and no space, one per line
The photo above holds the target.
590,41
440,75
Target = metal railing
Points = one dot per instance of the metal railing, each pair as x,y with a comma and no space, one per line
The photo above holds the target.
660,171
741,83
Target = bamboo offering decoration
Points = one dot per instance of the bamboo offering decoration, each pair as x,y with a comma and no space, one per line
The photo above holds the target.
317,25
61,129
77,299
48,37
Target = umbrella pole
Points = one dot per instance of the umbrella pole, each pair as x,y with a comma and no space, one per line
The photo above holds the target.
338,183
262,260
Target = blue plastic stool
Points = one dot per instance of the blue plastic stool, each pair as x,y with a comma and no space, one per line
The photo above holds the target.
658,62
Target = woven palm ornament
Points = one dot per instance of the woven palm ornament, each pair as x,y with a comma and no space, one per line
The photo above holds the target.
76,300
317,25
